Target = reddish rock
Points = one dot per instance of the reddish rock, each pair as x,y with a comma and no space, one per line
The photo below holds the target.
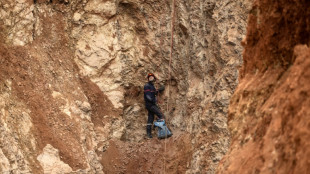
269,111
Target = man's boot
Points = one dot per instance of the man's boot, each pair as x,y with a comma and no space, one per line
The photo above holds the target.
149,131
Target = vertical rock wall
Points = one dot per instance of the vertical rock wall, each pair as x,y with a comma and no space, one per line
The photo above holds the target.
77,70
117,47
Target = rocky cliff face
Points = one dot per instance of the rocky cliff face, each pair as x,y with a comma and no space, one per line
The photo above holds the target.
269,112
72,76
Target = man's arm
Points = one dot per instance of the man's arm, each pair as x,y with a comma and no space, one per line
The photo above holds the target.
149,98
160,90
148,94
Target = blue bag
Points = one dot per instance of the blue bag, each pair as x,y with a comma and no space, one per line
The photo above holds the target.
163,131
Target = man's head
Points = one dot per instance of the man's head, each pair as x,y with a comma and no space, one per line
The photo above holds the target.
151,77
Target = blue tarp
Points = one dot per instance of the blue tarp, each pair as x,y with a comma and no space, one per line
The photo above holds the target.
163,131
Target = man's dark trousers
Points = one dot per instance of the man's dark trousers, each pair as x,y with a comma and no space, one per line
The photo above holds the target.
153,110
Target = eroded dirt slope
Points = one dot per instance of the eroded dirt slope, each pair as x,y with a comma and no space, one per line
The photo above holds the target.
153,156
269,112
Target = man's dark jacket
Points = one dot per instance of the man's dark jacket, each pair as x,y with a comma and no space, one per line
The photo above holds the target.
149,94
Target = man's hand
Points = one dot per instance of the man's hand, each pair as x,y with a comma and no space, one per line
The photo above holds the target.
162,88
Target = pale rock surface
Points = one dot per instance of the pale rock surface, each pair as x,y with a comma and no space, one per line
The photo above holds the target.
51,163
4,163
18,21
106,7
15,125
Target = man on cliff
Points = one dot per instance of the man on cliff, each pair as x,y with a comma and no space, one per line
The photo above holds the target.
150,93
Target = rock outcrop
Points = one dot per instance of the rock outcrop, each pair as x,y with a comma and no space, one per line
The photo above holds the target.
269,112
72,74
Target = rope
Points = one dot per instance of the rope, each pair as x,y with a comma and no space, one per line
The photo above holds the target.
169,74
